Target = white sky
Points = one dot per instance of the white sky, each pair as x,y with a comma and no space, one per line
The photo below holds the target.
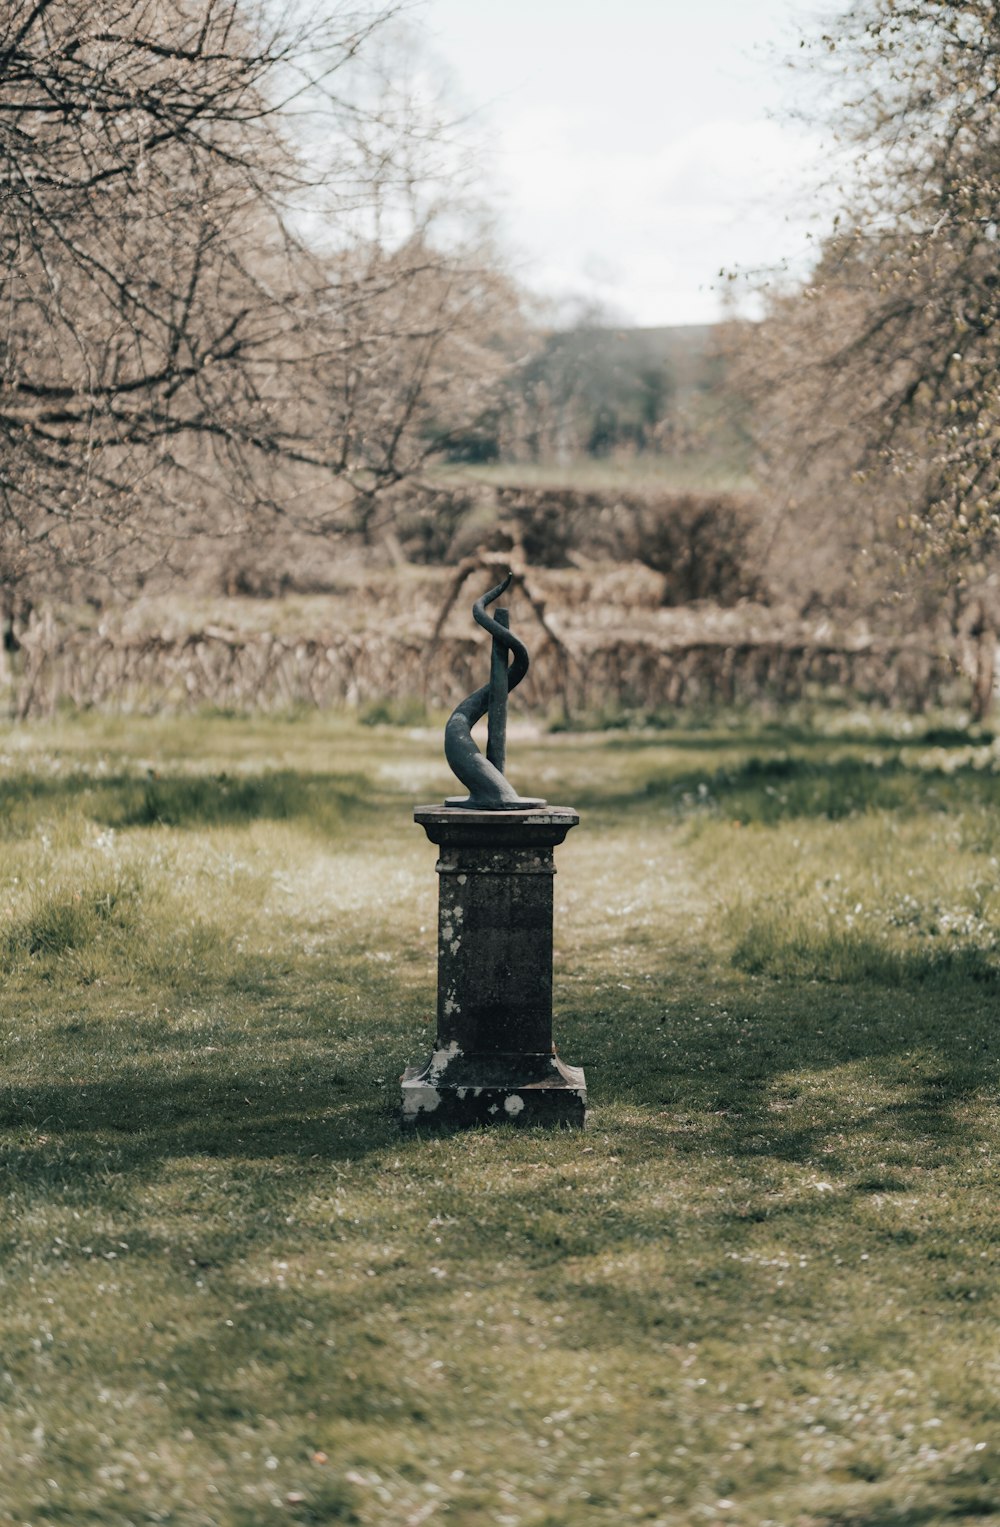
638,145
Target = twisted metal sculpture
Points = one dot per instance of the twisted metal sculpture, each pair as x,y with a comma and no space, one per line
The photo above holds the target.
488,787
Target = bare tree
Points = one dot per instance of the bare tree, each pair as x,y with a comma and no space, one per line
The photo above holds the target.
205,316
876,384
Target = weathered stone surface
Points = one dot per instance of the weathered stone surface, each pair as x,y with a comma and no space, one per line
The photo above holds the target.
494,1060
563,1103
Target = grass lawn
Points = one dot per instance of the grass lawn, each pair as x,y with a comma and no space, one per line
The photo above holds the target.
760,1288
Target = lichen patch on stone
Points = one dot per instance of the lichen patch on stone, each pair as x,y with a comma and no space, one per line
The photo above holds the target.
419,1099
440,1060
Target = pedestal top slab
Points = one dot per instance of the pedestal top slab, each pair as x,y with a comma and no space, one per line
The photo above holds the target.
455,824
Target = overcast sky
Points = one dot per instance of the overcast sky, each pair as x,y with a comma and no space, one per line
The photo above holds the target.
637,146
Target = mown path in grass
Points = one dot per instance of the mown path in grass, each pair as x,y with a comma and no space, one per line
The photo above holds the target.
760,1288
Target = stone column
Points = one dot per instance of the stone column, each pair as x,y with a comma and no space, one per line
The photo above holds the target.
494,1060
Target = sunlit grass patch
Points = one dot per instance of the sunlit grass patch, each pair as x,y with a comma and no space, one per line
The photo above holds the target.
74,915
96,910
788,944
882,896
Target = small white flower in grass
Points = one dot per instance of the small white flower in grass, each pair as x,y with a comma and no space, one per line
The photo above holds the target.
823,1187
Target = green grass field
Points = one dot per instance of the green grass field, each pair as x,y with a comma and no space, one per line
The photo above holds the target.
761,1288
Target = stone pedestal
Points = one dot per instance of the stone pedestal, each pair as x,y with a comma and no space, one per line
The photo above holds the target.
494,1060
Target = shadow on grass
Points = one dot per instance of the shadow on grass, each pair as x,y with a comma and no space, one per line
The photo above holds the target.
967,1504
65,1131
193,801
768,790
784,735
764,789
849,955
714,1075
723,1070
220,800
301,1070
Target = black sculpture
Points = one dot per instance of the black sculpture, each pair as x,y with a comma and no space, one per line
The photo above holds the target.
484,778
493,1061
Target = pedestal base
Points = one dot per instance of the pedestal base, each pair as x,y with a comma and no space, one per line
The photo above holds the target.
449,1095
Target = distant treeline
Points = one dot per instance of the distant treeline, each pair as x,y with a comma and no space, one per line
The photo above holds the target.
598,391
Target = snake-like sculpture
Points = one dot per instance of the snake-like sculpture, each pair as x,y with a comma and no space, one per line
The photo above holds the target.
489,790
